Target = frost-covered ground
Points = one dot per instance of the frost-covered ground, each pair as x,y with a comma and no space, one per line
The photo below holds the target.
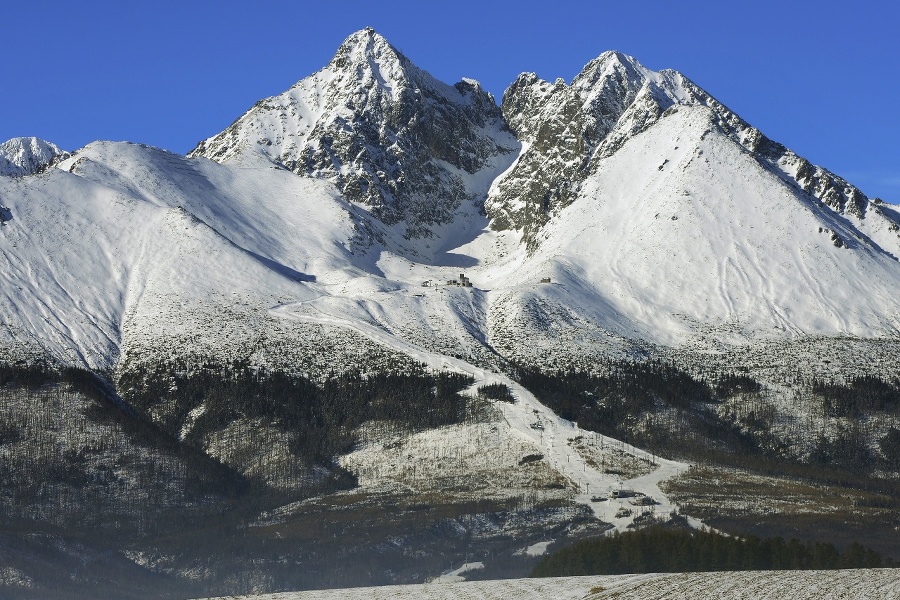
753,585
525,423
457,462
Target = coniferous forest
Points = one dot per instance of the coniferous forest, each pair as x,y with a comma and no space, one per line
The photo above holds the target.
320,415
184,458
662,408
92,475
670,550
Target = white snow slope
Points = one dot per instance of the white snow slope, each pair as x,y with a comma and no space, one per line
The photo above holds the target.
125,245
681,233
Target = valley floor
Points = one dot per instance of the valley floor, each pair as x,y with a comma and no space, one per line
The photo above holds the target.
759,585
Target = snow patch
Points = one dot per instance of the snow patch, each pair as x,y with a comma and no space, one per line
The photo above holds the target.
456,575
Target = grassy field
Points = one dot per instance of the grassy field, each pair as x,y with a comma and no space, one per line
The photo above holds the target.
744,503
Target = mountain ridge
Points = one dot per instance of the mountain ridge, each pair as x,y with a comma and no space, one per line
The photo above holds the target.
404,179
612,99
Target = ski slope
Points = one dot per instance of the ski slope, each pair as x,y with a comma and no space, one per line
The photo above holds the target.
529,419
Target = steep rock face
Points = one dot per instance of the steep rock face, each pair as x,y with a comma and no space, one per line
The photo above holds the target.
567,130
389,135
27,155
549,120
565,127
684,238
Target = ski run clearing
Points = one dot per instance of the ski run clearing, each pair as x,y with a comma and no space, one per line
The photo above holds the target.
530,422
758,585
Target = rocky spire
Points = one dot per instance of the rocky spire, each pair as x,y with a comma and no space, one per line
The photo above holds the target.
388,134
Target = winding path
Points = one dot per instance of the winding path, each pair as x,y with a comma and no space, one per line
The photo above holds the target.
533,422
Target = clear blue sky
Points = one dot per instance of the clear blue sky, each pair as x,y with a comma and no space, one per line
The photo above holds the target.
821,77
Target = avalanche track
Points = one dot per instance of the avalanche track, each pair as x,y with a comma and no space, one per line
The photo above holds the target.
532,421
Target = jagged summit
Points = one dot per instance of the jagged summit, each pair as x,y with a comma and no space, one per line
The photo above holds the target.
618,79
613,60
389,135
567,127
410,148
569,130
27,155
371,59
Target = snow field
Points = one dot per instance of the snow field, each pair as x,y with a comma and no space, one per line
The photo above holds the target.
757,585
873,584
458,575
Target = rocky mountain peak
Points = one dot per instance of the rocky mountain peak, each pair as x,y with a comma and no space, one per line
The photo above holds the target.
388,134
364,41
367,56
567,127
614,63
570,129
412,150
27,155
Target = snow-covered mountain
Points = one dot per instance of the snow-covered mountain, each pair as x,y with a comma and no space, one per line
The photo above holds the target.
570,130
26,155
374,220
129,247
386,133
661,219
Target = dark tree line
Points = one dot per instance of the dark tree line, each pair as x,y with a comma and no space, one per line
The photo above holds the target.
652,403
669,550
731,384
496,391
858,396
74,459
657,406
639,385
890,447
606,403
847,450
320,416
855,400
26,375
